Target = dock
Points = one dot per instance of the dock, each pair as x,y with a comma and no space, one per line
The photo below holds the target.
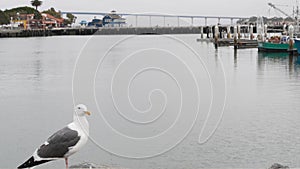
5,33
239,44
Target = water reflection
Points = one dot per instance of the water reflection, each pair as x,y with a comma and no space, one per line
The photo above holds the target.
35,83
37,78
297,65
37,65
297,61
235,58
277,60
272,55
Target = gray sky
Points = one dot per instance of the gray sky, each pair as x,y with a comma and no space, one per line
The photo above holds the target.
182,7
196,7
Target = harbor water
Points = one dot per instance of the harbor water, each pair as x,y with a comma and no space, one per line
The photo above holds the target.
234,109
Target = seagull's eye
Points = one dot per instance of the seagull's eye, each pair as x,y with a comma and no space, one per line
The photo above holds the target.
78,107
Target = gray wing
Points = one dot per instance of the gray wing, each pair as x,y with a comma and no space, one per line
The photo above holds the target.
59,143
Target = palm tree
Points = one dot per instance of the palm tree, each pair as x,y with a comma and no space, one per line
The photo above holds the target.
36,3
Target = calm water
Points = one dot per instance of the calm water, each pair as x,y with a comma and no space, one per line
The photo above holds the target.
145,86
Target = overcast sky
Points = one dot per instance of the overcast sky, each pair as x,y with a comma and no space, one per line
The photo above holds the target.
195,7
180,7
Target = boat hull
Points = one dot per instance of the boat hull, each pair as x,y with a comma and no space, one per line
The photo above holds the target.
273,47
297,45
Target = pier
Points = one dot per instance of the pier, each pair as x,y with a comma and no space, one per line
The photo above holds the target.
208,30
191,25
192,18
46,32
100,31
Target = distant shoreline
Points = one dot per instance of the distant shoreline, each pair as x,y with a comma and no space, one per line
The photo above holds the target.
8,33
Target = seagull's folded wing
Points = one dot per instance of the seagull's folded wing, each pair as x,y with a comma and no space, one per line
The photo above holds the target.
59,143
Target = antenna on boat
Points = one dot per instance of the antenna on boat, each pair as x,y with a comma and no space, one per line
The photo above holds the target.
260,28
297,17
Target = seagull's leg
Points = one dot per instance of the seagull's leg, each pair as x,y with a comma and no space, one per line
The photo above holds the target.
66,160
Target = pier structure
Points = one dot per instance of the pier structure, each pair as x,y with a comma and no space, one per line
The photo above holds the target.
192,18
223,31
216,30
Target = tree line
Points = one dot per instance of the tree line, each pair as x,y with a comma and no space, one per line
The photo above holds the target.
8,13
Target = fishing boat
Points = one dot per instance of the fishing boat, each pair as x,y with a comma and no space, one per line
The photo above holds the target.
297,45
281,43
285,43
273,47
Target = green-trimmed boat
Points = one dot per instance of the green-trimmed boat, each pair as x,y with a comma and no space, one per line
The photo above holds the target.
273,47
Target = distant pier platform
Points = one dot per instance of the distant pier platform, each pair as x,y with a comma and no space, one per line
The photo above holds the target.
98,31
6,33
114,31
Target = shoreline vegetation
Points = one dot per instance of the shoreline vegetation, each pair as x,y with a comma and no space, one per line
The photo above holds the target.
13,15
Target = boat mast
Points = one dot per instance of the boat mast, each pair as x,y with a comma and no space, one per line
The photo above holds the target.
297,19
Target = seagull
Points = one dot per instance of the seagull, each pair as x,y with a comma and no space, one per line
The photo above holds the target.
64,142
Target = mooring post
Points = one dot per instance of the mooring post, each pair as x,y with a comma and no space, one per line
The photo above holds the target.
251,32
235,43
228,32
178,24
207,32
265,31
192,21
205,20
239,31
213,31
216,36
291,35
201,32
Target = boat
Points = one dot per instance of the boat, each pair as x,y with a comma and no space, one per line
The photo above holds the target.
273,47
297,45
281,43
277,47
277,44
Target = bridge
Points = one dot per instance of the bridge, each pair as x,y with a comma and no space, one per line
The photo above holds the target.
164,16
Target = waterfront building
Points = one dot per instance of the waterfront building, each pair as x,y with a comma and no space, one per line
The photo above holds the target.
50,21
113,20
83,23
27,21
95,23
22,20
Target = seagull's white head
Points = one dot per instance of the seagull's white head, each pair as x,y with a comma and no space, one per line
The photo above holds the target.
81,110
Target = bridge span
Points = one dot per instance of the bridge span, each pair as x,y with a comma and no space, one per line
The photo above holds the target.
164,16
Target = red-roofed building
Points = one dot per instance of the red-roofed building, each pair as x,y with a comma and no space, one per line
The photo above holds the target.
27,21
50,21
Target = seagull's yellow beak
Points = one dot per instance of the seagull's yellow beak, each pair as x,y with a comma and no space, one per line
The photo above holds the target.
87,112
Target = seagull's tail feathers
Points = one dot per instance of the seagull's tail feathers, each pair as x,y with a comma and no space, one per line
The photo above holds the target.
31,162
